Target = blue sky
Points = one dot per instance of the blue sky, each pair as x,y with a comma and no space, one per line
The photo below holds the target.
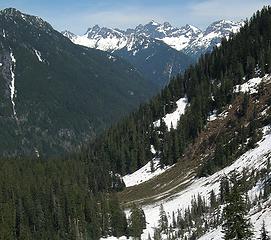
78,15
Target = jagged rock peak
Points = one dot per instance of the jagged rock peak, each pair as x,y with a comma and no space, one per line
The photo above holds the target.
10,11
152,22
223,25
15,14
68,34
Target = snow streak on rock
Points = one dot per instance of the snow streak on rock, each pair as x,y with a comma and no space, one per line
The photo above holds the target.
38,54
12,83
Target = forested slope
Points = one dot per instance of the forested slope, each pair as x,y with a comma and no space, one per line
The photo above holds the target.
208,86
57,95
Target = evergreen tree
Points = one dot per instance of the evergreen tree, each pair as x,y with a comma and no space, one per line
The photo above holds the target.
118,218
224,189
235,225
137,222
174,223
157,234
163,220
213,201
264,233
152,166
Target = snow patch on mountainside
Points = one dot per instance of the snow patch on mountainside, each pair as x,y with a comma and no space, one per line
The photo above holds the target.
179,43
112,58
12,84
115,238
212,36
251,86
105,39
214,115
253,159
144,174
38,54
171,119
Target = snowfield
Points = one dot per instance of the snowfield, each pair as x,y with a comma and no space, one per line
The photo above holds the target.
178,43
252,85
171,119
253,159
111,43
144,174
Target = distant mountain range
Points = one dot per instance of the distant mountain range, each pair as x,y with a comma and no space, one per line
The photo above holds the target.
159,51
153,58
189,39
54,94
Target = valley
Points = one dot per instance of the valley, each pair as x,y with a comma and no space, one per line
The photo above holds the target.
153,132
159,51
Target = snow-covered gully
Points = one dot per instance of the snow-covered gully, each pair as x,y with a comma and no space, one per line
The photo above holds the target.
12,84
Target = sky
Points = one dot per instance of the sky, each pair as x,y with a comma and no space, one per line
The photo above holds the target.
78,15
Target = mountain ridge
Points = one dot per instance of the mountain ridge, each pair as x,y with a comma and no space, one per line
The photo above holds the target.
180,38
58,95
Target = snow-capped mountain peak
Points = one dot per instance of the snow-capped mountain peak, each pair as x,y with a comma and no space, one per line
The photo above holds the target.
14,14
191,29
154,23
96,28
68,34
188,39
212,37
166,25
102,38
223,27
104,32
149,30
157,61
11,12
